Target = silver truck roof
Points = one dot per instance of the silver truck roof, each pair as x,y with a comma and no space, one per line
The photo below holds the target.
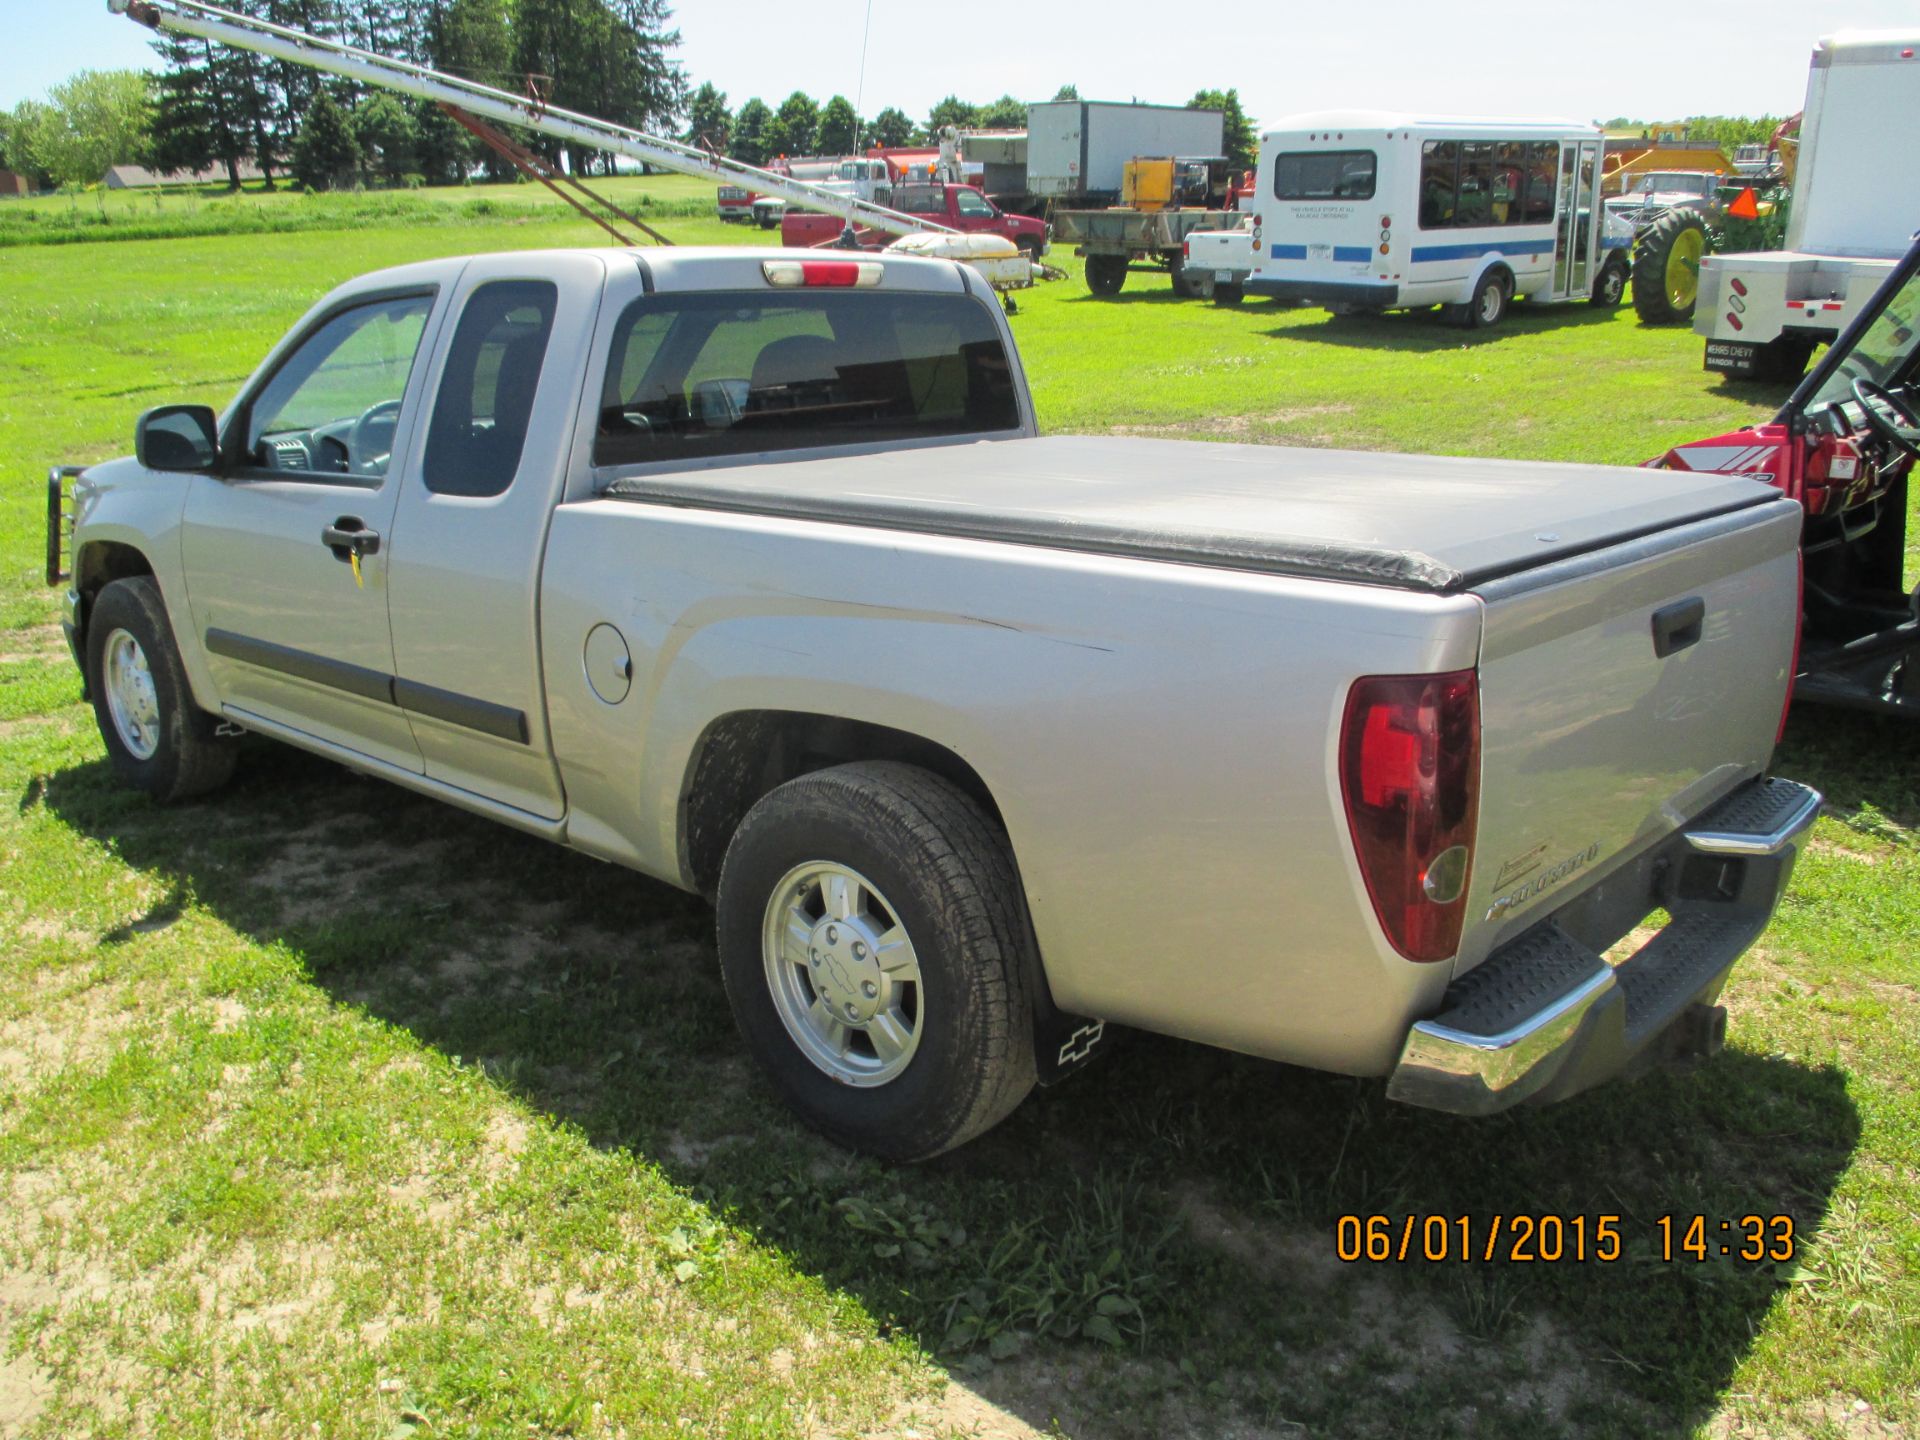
1421,522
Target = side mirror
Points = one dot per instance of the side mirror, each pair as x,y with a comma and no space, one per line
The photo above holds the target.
177,437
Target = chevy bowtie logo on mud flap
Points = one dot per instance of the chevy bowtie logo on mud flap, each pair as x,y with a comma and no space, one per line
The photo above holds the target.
1542,882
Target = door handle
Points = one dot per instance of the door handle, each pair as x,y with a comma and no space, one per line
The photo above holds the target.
1678,625
348,537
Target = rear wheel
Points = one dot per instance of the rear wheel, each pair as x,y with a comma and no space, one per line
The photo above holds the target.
1489,304
1106,273
1666,268
876,951
1228,293
157,739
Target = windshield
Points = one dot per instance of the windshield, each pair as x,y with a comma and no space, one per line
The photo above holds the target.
1884,350
1681,180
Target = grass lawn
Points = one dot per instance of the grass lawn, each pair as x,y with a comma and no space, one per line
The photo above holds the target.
328,1110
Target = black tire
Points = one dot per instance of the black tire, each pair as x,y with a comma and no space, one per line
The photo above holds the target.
1183,284
1106,273
1610,285
946,870
1655,264
186,757
1228,293
1029,247
1488,307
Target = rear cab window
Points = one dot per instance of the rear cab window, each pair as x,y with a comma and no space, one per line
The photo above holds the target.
703,374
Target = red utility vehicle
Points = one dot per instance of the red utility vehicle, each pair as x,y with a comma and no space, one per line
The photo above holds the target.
960,207
1844,445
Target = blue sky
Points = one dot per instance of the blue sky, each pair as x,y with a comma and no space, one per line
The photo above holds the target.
1506,57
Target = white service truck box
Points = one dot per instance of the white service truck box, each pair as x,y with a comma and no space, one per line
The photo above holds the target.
1856,206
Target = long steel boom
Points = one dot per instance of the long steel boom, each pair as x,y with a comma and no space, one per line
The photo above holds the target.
192,17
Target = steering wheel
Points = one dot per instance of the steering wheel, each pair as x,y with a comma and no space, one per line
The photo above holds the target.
1904,436
357,440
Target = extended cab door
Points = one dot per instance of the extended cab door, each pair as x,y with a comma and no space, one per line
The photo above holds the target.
486,470
293,631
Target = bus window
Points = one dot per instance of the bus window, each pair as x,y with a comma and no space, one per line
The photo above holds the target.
1543,169
1324,175
1439,183
1474,205
1509,182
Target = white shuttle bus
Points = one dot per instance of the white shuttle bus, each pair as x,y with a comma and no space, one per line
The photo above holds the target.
1366,210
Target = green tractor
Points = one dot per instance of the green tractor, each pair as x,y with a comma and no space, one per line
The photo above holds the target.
1679,217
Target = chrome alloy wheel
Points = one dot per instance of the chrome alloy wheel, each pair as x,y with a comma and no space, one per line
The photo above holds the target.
843,973
131,700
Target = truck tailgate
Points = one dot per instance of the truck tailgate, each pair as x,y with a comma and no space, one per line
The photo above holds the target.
1622,693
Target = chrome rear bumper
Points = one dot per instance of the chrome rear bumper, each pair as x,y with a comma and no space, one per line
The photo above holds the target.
1545,1016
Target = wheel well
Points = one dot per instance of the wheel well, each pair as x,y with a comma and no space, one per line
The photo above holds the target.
105,561
97,566
744,755
1499,268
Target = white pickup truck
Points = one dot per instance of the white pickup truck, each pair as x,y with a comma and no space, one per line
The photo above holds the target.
747,570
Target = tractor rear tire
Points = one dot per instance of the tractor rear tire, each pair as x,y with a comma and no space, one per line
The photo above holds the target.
1666,268
1106,273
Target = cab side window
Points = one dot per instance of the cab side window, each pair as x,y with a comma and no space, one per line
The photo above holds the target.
972,204
333,405
485,404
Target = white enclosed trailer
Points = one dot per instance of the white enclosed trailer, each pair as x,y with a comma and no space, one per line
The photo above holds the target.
1077,149
1856,206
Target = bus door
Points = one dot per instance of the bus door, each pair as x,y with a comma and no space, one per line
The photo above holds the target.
1578,215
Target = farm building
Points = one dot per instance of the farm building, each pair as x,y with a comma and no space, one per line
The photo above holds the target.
12,184
138,177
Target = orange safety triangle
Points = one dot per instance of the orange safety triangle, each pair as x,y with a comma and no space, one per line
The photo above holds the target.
1745,206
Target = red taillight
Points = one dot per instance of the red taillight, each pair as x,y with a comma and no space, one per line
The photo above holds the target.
1410,779
1186,249
1734,320
1738,288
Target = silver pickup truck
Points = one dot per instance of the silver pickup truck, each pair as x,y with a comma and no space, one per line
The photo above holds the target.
747,570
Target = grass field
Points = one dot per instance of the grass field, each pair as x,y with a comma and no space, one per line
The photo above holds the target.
325,1110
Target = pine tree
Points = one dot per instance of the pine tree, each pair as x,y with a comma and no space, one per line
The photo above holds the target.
708,121
387,136
325,152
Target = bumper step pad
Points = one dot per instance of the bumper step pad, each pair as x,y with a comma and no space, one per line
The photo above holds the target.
1545,1016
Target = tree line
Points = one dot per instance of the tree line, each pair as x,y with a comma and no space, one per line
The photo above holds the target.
757,133
209,107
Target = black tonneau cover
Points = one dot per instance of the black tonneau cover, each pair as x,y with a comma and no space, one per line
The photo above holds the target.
1416,522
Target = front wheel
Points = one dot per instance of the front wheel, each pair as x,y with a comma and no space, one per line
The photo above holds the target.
877,955
1610,288
157,739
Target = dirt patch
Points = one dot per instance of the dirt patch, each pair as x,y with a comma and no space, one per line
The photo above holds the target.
1240,427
